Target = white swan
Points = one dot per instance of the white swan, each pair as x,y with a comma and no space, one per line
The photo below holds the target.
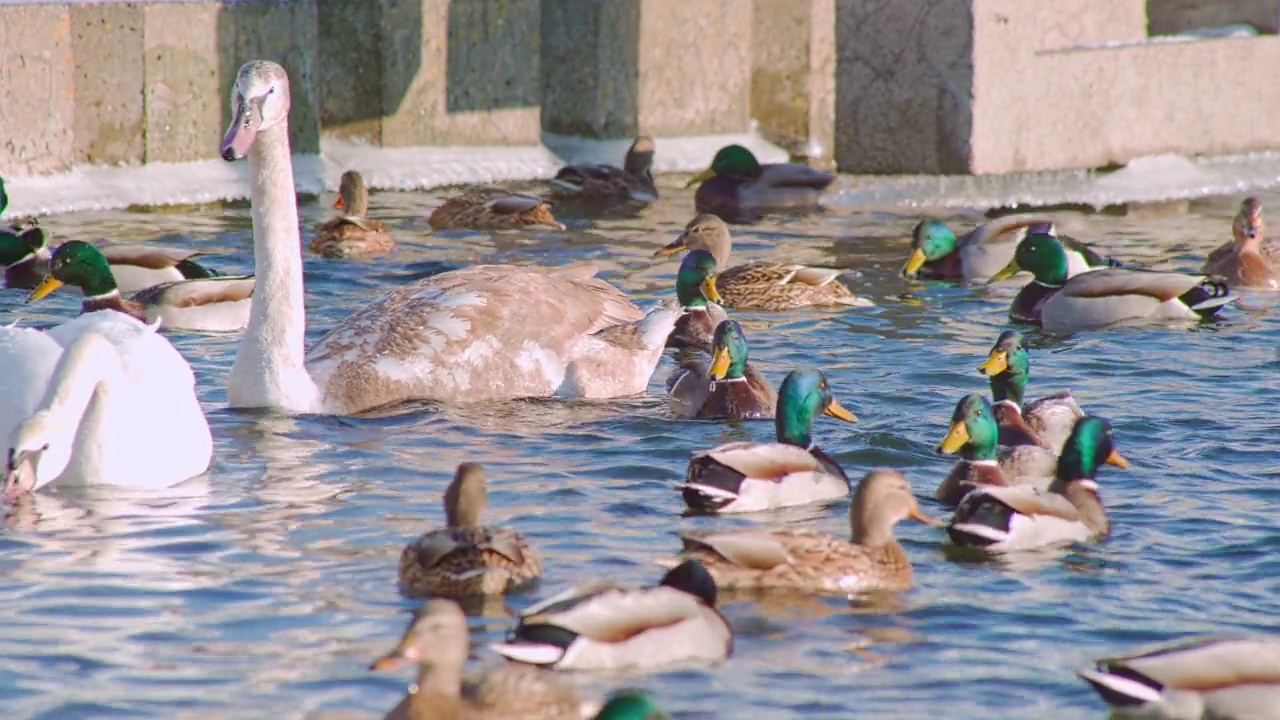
100,399
484,332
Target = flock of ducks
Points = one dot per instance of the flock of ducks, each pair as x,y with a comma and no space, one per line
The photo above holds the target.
1025,477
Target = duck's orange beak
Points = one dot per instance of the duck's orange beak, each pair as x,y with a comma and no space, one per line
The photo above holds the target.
1118,460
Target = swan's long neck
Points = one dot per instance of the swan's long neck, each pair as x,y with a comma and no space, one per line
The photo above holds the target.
82,373
269,369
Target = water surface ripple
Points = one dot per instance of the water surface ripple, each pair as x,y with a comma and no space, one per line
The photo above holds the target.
266,588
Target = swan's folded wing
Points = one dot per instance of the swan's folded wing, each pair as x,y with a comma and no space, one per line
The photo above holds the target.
1114,282
484,332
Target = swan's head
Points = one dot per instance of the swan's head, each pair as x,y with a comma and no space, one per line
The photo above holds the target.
35,456
259,101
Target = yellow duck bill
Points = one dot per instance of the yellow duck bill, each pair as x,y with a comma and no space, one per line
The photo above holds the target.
45,288
914,263
701,177
709,290
836,410
997,363
955,439
720,364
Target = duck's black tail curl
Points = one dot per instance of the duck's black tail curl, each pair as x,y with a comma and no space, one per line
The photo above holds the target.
1208,297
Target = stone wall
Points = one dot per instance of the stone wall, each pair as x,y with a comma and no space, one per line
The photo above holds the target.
886,86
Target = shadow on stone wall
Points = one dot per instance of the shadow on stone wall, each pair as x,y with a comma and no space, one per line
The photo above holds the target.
486,65
591,68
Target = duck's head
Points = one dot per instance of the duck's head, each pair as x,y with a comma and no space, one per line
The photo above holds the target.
803,395
353,196
704,232
1091,444
631,704
1248,226
691,577
1041,255
39,451
728,351
1007,366
731,161
974,433
259,103
931,240
639,160
466,497
696,280
18,246
882,499
436,634
81,265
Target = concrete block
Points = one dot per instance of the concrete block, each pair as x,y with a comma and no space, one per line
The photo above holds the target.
793,70
904,86
106,44
185,88
284,32
465,72
1099,106
655,67
37,89
348,61
1169,17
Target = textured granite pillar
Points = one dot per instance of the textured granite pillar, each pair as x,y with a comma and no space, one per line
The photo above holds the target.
793,70
654,67
465,72
37,89
184,82
106,44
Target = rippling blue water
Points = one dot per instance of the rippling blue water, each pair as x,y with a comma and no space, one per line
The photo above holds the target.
266,588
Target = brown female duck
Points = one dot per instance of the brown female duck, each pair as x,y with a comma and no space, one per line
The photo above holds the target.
761,285
352,234
633,181
1249,260
465,558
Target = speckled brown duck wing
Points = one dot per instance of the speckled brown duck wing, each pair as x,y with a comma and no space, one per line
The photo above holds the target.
460,562
591,181
493,209
797,560
346,237
774,286
519,692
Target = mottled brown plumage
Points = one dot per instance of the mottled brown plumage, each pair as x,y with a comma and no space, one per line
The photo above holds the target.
352,234
438,643
464,558
486,208
815,562
761,285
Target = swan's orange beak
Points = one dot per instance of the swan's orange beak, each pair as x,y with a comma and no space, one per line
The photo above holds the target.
339,204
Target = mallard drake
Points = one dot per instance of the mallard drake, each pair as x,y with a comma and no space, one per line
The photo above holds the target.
999,518
488,208
23,256
1247,261
351,234
633,181
604,627
465,558
973,434
761,285
1193,679
1047,421
699,299
727,387
937,254
218,304
738,187
750,476
631,705
816,562
437,642
1105,296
